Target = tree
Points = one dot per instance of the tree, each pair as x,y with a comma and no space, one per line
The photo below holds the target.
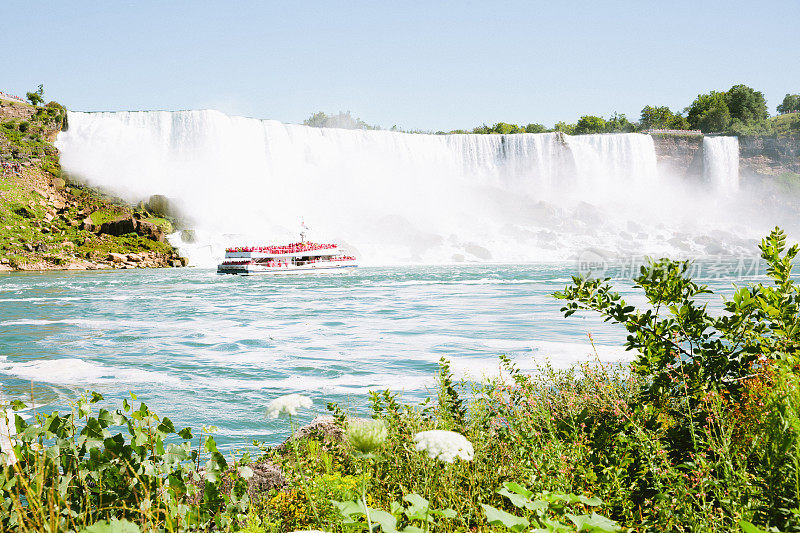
590,124
504,128
662,118
654,117
619,124
563,127
790,104
535,128
709,112
747,104
36,98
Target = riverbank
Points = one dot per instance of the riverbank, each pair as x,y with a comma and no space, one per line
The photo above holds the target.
48,222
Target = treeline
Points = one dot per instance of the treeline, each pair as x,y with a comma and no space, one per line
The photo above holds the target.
741,110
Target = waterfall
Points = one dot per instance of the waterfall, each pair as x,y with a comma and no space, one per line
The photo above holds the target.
388,196
721,159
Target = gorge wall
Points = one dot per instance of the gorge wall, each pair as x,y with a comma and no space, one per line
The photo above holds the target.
396,197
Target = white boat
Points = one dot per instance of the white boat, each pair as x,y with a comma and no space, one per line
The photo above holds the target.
292,258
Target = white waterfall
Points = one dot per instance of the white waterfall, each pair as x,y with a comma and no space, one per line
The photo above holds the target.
389,196
721,158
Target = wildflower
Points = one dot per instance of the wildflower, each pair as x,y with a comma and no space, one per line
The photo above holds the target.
8,428
444,445
288,404
366,436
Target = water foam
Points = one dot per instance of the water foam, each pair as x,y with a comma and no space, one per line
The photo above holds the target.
395,197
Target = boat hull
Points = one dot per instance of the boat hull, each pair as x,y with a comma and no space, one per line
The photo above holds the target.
252,269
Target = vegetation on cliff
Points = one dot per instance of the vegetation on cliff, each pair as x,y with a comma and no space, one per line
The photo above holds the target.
48,222
700,433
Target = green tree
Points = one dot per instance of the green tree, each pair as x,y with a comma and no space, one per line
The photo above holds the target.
662,117
790,104
505,128
619,123
655,117
746,104
710,112
590,124
36,98
563,127
317,120
535,128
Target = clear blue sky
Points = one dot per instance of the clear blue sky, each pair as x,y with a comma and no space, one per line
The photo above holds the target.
429,65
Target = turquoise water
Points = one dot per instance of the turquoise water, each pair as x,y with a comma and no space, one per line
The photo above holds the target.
208,349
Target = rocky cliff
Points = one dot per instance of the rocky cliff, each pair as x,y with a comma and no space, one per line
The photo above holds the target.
682,155
47,223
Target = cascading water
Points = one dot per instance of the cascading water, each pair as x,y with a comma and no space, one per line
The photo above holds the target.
393,196
721,158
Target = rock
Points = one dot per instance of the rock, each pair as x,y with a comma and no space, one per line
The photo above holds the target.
58,203
150,230
116,258
188,236
4,261
322,428
176,263
58,183
87,224
74,223
134,258
41,247
119,227
161,206
184,261
28,247
23,212
68,244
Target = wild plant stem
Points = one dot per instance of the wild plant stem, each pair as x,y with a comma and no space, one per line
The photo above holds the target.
300,473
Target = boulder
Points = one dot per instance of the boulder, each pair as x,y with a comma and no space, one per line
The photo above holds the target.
150,230
87,224
119,227
58,183
116,258
161,206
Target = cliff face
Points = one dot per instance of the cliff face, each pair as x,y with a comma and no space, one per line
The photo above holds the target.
769,156
682,155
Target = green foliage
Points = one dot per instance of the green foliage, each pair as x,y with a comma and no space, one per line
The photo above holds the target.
590,124
790,104
79,468
36,97
662,118
341,120
741,109
548,511
535,128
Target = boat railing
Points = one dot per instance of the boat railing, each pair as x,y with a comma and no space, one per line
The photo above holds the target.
288,249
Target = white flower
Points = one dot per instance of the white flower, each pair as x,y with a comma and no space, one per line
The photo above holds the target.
444,445
8,428
288,404
366,436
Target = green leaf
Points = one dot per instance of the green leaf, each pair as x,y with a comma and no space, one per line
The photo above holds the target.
496,517
417,508
593,522
747,527
115,526
386,520
185,433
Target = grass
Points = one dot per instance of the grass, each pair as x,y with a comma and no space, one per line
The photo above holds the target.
783,125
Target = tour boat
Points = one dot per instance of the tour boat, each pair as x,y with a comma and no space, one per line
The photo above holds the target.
288,259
